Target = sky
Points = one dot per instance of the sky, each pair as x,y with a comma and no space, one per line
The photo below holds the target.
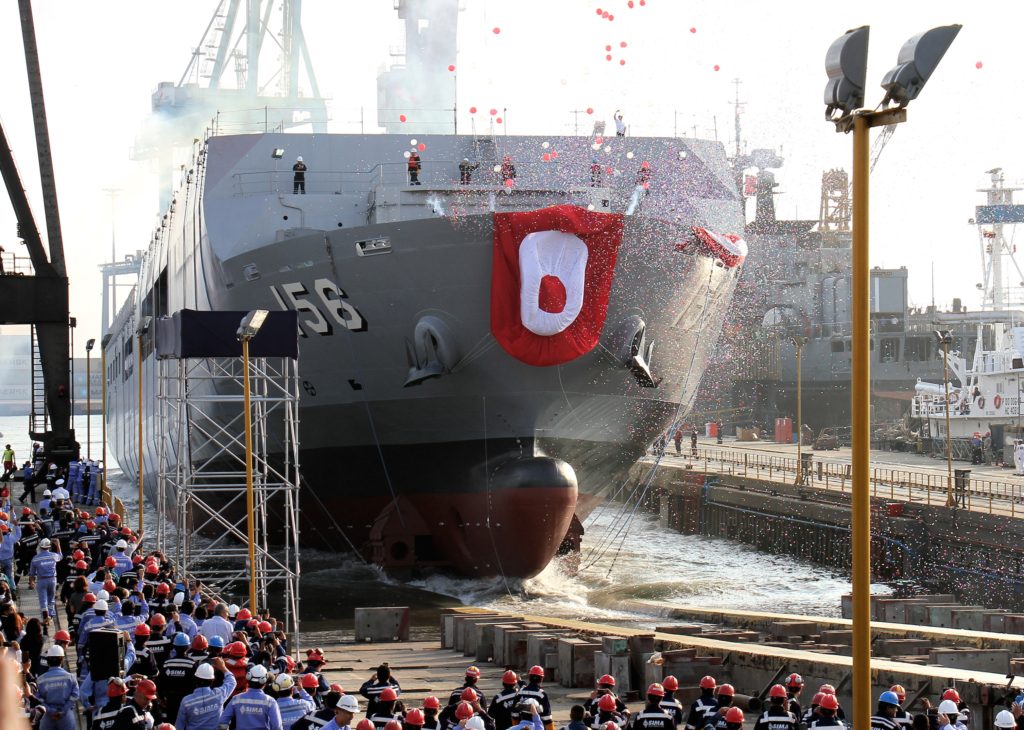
101,62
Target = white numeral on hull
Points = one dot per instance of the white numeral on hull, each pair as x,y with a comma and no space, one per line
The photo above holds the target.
332,301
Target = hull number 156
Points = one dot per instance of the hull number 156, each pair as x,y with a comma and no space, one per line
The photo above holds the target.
325,306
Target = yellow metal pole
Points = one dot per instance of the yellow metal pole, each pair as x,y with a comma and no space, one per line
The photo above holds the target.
103,424
949,436
88,405
249,497
142,498
860,409
799,423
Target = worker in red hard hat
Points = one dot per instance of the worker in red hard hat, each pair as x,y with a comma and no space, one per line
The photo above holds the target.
811,713
315,661
652,717
605,686
431,708
705,706
384,708
777,715
606,710
725,694
467,696
534,691
903,718
734,719
375,685
472,675
503,704
794,686
827,708
669,703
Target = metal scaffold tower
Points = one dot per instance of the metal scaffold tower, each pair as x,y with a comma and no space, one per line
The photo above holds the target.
201,486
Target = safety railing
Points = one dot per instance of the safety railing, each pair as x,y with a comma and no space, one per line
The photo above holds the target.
897,484
13,264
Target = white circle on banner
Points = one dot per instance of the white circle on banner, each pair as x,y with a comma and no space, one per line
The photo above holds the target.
551,254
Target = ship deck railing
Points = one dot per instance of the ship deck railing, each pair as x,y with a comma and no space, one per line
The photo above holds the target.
14,264
436,175
922,486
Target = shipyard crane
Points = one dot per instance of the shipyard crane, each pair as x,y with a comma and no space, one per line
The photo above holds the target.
40,299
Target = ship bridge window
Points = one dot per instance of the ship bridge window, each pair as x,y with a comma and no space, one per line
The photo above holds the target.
1018,363
917,349
890,349
837,346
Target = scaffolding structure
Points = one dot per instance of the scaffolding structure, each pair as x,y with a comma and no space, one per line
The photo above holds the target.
201,486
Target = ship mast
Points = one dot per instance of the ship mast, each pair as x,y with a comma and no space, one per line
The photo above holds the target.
991,219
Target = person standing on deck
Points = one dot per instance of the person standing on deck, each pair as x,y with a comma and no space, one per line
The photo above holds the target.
299,180
8,463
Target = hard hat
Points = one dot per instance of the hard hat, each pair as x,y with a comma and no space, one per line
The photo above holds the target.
734,715
889,698
656,689
55,652
316,655
180,639
827,689
216,642
147,688
951,694
163,589
257,674
465,159
152,568
109,586
472,671
126,530
829,702
100,511
509,677
707,682
117,688
364,724
432,703
794,680
59,482
114,518
335,687
1005,719
62,635
26,511
81,516
282,683
606,679
157,620
468,695
266,627
89,598
778,691
415,717
348,703
728,690
78,555
102,595
670,683
165,726
816,700
475,723
299,158
537,671
607,703
47,493
101,605
235,649
252,624
91,525
143,630
233,610
610,726
81,565
205,671
121,544
309,681
463,711
44,544
393,725
388,695
4,527
179,598
948,707
900,692
244,614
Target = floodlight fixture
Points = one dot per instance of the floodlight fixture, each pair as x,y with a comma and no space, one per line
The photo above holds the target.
916,62
846,64
89,344
278,153
251,323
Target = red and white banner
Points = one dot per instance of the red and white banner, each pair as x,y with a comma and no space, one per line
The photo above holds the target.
550,281
728,247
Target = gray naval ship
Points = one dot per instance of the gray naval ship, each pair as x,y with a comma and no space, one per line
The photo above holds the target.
410,403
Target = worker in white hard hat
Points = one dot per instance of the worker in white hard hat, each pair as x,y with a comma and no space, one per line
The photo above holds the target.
299,180
58,691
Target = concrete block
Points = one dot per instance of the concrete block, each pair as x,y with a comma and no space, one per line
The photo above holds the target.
641,647
792,628
602,664
550,665
681,629
846,605
894,647
837,636
981,660
539,646
1013,623
971,619
576,662
499,640
614,645
941,616
459,630
482,642
994,621
620,670
383,623
516,647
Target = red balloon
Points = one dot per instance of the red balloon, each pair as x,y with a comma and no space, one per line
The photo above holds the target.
401,117
630,4
979,64
717,67
509,183
493,112
622,62
608,57
546,157
607,48
590,110
498,120
599,11
553,154
421,147
472,110
622,44
643,2
451,66
496,30
611,17
609,170
599,140
693,30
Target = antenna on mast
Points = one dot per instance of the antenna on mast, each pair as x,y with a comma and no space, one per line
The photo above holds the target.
737,110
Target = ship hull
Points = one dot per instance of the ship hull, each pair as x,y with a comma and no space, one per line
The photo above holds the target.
422,442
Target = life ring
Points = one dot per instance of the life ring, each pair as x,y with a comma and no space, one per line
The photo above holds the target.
997,401
981,401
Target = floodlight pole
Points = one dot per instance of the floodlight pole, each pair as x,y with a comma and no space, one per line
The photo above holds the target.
88,402
250,501
142,496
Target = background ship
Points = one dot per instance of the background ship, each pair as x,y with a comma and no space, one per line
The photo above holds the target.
411,412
